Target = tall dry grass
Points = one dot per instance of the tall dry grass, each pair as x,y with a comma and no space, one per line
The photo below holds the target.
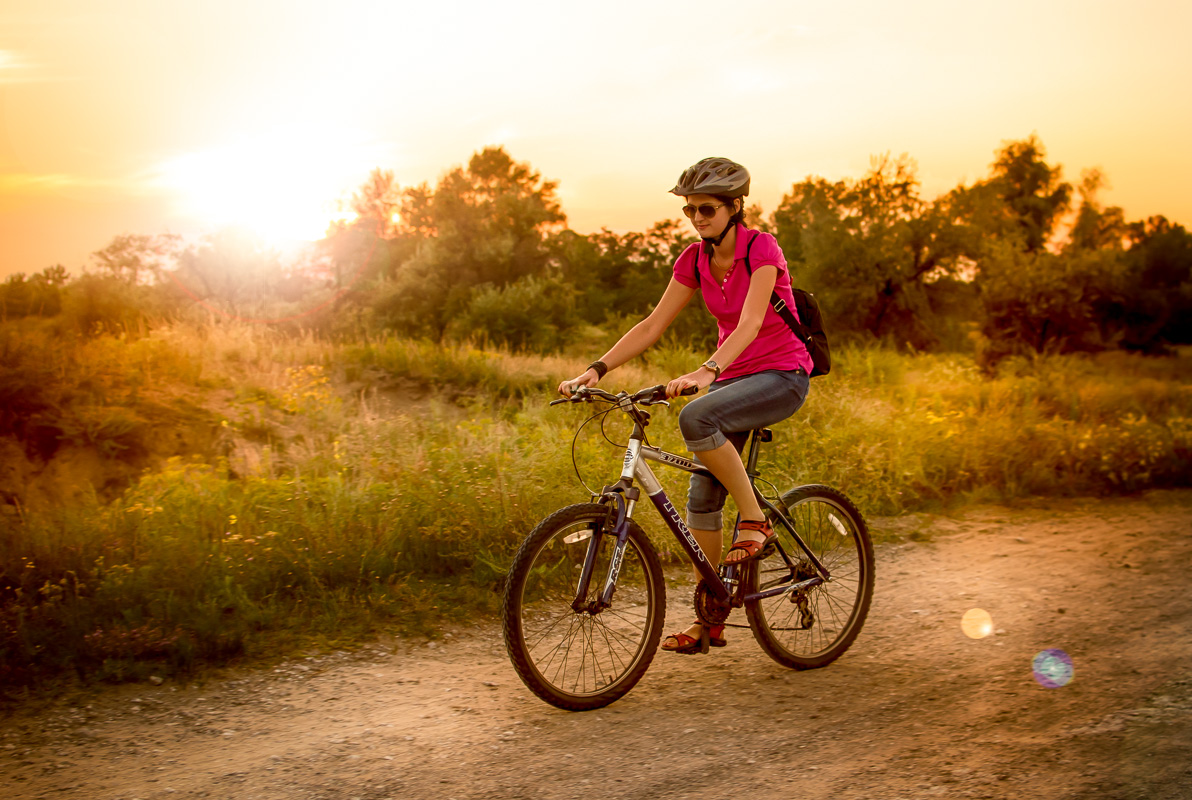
383,484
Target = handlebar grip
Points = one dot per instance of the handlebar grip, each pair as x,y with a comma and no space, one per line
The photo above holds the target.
690,390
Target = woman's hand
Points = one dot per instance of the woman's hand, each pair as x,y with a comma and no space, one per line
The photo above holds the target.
701,378
589,379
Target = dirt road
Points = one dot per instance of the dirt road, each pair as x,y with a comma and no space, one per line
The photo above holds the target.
915,709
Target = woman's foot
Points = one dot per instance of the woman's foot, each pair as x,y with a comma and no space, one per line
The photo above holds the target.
752,538
688,641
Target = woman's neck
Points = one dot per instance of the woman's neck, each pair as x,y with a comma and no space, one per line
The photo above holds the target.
727,249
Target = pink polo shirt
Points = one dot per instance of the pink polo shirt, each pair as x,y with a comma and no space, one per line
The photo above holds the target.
775,346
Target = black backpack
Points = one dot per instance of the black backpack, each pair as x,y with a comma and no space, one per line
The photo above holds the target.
810,331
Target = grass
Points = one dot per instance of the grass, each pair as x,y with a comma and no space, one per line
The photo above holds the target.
342,507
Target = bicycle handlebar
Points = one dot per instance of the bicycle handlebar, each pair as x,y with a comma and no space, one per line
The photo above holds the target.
648,396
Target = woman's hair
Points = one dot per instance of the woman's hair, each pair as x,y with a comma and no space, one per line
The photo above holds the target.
737,218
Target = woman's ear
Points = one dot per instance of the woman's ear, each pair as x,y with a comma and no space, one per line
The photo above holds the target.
738,204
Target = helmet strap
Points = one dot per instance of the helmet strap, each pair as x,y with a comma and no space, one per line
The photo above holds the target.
714,241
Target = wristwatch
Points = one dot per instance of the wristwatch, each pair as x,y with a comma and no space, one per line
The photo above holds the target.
712,365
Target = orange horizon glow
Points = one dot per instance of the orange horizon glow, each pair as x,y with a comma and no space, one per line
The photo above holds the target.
267,115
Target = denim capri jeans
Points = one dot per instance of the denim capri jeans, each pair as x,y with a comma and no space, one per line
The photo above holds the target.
727,413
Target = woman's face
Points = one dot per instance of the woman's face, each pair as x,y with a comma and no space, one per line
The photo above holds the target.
707,226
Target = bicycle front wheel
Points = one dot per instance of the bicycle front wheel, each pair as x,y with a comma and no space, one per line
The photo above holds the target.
587,658
813,627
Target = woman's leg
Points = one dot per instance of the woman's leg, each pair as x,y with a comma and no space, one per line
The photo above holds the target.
709,542
705,520
737,406
725,463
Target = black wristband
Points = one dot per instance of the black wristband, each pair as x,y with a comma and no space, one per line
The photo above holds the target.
600,367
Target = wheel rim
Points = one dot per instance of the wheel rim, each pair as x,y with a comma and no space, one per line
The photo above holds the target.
580,654
814,622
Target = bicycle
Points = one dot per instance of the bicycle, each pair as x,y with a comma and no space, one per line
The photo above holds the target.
585,598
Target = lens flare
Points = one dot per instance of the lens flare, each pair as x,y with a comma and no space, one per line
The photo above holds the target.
1053,668
282,184
976,623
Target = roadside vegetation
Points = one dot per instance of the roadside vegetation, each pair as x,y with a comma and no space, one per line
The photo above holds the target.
206,459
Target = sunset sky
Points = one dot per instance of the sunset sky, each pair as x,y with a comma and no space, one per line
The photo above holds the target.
146,116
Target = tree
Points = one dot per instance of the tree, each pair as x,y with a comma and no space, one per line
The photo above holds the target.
46,294
1043,302
619,273
1157,307
38,295
1111,284
136,258
377,202
490,220
232,272
499,315
14,296
1096,227
869,248
487,224
1023,199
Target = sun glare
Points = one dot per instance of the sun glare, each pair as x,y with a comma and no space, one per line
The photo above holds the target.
283,187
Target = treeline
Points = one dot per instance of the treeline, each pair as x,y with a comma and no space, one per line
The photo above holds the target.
1020,262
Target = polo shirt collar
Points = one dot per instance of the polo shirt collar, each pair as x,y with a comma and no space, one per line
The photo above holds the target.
739,249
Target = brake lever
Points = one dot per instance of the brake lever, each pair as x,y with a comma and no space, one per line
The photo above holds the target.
661,400
578,396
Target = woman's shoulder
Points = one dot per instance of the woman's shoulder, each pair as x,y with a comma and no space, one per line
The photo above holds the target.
687,264
763,242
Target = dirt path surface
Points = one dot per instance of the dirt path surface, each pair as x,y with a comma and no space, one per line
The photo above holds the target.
914,709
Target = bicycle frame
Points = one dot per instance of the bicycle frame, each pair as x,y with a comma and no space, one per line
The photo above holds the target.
623,496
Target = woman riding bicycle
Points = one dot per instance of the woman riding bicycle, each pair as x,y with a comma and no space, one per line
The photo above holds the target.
757,377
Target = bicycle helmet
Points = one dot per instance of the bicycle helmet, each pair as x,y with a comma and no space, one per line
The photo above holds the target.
717,176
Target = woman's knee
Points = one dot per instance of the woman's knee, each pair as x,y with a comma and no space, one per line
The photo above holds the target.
700,432
690,422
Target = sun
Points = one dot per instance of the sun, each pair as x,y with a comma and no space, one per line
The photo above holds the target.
285,187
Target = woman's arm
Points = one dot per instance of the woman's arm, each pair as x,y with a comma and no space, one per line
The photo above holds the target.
640,336
753,312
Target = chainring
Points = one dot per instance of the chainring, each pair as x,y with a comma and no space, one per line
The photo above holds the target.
710,610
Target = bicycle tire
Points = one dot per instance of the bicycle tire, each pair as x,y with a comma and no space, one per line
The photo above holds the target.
813,628
576,660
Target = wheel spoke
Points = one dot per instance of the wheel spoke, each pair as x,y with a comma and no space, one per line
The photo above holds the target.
577,659
832,529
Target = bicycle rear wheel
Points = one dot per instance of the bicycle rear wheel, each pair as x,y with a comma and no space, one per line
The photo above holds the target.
813,627
580,660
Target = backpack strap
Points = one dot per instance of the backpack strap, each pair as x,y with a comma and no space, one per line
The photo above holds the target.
778,304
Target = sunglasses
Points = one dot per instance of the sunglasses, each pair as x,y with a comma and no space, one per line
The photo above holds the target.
705,210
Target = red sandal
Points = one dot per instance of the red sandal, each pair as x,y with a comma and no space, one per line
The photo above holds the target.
687,644
750,548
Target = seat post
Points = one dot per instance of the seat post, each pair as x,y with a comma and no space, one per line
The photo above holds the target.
756,437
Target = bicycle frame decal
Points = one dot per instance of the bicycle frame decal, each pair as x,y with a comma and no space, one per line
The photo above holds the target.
670,514
614,571
657,454
667,509
631,453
